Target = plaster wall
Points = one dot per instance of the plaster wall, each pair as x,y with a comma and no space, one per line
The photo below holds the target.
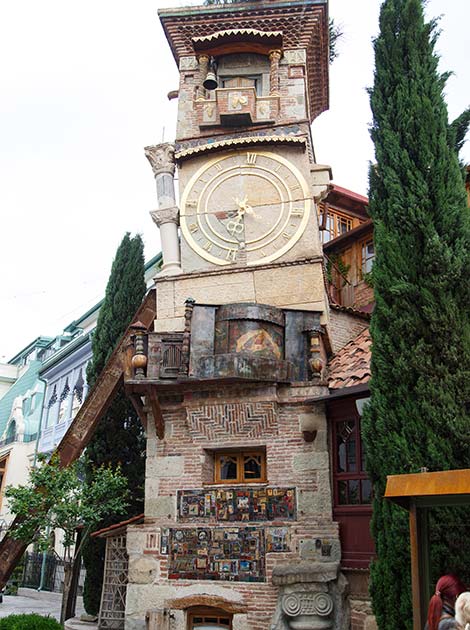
307,246
20,457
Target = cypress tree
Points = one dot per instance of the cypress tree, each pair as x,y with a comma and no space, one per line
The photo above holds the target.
420,328
119,437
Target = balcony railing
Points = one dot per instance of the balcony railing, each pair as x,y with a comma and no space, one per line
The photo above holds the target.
28,437
236,107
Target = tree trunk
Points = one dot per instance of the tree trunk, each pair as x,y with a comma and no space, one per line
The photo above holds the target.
68,572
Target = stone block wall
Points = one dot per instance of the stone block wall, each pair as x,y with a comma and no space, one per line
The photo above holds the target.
197,424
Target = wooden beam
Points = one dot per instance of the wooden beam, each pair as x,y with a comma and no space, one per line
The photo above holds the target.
415,569
83,426
138,405
156,413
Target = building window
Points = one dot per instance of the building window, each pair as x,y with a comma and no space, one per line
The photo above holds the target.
367,256
352,486
240,467
335,223
209,619
64,401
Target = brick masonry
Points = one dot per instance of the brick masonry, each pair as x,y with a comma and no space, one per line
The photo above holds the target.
343,327
184,460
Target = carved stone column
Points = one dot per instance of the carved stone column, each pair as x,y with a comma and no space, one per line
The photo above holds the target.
203,69
274,58
162,160
312,596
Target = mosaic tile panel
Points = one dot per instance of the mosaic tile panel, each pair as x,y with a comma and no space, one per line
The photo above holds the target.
235,504
232,554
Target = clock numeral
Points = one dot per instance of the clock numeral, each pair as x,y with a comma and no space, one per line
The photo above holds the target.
251,158
191,203
286,235
294,188
207,246
277,168
218,166
193,227
263,253
231,255
297,212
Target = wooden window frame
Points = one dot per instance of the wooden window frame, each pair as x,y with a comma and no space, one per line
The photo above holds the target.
363,244
206,611
257,78
357,546
240,455
354,475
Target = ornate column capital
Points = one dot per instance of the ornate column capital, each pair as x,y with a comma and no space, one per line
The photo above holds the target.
275,55
165,215
161,158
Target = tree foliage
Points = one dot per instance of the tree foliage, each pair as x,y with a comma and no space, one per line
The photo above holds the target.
420,327
60,498
119,438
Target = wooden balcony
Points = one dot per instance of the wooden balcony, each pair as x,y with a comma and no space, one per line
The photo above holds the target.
236,107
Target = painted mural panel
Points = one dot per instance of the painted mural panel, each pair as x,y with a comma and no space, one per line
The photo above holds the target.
234,554
235,504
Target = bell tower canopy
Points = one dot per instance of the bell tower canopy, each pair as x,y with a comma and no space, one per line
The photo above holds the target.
261,27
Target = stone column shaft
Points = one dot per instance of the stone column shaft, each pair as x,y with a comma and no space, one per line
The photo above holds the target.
203,70
162,160
274,58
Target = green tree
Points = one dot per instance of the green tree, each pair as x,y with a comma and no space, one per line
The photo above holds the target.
61,498
119,438
420,327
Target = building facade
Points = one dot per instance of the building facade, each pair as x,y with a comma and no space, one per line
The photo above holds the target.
231,384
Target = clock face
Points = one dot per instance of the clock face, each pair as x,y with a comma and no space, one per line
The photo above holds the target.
245,207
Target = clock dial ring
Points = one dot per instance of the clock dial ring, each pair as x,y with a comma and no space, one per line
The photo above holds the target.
285,214
273,226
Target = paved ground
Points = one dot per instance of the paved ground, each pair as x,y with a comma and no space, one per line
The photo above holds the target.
29,601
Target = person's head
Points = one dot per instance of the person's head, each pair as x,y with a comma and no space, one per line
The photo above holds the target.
462,610
448,588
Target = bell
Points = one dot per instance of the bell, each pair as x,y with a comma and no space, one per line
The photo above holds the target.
210,82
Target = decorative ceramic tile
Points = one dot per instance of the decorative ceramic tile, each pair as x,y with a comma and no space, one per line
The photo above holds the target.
277,539
233,554
235,504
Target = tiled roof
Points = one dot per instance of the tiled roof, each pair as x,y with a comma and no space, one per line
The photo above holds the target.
351,365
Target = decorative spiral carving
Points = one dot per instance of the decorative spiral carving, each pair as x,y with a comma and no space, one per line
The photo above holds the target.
323,604
291,604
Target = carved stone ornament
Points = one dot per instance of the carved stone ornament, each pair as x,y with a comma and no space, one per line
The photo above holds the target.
161,158
165,215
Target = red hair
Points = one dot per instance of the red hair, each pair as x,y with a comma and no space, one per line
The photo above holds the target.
448,587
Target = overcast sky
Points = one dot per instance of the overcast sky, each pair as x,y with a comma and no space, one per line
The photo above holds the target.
82,90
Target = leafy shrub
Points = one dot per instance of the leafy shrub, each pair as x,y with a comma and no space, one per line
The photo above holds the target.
29,622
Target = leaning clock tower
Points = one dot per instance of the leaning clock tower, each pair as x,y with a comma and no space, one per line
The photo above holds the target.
238,530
